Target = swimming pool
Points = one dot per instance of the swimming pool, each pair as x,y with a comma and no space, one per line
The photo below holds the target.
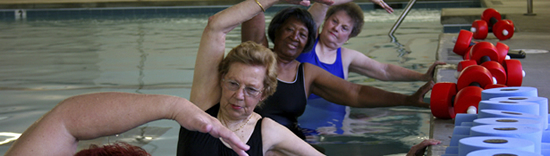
47,60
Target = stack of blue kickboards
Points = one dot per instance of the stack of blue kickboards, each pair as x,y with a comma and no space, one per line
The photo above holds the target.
510,121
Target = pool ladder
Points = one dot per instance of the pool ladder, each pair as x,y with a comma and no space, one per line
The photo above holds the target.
400,19
412,2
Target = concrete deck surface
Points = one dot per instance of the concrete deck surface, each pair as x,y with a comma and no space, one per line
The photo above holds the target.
532,32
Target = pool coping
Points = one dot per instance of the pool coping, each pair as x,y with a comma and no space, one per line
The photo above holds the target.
75,12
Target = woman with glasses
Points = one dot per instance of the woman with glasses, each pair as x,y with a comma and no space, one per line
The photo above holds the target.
231,87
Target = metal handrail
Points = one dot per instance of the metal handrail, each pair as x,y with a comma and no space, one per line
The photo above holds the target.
400,19
530,8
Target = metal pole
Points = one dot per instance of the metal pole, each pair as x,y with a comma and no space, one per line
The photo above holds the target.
401,18
529,8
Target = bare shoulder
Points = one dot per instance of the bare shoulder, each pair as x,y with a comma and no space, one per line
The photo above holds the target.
272,132
351,53
312,69
313,72
270,124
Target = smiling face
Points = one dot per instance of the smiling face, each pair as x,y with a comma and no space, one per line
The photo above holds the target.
337,28
237,103
291,38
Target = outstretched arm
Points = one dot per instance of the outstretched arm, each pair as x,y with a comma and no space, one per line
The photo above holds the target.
94,115
340,91
420,148
362,64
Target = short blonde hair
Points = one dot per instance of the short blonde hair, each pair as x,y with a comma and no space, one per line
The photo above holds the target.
251,53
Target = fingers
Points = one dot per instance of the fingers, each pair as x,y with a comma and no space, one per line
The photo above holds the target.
419,149
208,124
429,142
386,7
327,2
219,131
426,87
305,3
439,63
420,93
383,4
431,71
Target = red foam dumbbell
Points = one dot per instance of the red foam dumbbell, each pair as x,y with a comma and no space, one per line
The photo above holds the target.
491,21
514,72
479,53
448,99
497,71
505,71
463,42
491,16
504,29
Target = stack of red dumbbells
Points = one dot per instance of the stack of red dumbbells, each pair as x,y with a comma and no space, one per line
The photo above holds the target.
485,66
491,21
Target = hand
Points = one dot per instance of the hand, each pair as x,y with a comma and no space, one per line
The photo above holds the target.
420,148
338,2
430,73
417,99
194,119
383,4
218,130
307,2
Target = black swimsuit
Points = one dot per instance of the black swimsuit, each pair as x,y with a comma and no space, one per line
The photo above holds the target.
192,143
287,104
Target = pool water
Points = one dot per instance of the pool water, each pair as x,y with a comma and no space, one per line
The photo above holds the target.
46,61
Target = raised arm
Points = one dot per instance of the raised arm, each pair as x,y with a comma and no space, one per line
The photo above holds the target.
254,30
362,64
340,91
94,115
205,91
319,10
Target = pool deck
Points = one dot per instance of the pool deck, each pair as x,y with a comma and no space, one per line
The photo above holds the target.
48,4
532,32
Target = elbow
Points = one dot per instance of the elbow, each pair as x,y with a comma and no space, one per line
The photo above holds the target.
213,23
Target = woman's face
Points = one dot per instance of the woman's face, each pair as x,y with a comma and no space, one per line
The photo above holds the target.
291,39
241,89
337,28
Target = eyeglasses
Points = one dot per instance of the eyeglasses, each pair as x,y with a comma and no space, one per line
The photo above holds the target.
234,85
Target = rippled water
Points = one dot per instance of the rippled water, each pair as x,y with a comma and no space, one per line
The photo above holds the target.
44,62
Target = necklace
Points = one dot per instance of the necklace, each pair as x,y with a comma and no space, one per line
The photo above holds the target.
240,127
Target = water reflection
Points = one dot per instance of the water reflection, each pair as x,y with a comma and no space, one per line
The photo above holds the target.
7,137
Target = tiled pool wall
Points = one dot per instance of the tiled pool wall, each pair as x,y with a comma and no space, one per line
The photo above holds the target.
148,12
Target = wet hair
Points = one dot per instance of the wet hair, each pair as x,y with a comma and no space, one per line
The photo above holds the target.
116,149
354,12
299,13
252,53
